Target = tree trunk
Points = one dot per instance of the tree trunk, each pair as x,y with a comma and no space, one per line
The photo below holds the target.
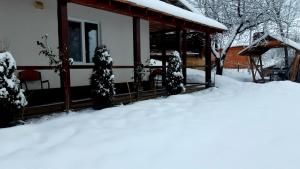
219,70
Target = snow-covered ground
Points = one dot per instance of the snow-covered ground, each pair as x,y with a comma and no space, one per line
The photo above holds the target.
236,125
243,75
196,76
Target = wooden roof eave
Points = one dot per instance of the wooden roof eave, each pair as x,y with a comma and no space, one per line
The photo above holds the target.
145,13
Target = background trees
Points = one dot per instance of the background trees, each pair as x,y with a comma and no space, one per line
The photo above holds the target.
247,16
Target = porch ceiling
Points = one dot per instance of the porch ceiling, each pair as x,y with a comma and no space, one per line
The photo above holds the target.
154,16
157,27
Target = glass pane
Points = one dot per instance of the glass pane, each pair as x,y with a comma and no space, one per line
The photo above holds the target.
75,41
91,40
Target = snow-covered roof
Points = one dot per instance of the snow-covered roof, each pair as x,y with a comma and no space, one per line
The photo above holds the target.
283,40
168,9
190,6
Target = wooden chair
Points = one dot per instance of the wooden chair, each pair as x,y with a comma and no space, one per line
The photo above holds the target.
30,76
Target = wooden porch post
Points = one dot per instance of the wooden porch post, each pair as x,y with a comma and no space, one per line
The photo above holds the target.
178,40
164,58
136,45
181,48
63,34
207,60
184,54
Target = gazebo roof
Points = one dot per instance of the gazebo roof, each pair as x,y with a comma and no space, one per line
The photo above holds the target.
267,42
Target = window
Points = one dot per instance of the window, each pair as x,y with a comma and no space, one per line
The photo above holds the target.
91,40
75,41
83,39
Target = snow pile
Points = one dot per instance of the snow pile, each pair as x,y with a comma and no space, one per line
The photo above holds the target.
198,76
154,62
195,76
243,75
236,125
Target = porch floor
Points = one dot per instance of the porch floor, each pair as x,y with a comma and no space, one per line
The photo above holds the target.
48,101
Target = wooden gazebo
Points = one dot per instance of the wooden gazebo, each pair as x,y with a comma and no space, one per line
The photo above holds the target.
261,46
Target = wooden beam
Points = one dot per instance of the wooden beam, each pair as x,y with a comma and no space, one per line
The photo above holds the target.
136,44
208,60
124,8
62,14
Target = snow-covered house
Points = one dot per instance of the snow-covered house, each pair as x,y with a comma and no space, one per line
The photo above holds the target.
78,26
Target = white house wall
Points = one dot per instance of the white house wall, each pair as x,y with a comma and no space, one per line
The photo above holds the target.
116,32
22,25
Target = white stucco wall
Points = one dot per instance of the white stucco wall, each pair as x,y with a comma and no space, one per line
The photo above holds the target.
22,25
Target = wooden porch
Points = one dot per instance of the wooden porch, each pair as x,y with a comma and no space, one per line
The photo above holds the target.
72,98
82,100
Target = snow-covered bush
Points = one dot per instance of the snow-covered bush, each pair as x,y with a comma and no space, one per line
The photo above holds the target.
102,78
174,77
12,98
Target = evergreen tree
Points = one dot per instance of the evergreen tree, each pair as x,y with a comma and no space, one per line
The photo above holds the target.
174,77
102,79
12,98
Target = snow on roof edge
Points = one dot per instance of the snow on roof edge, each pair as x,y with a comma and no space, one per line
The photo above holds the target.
287,41
190,6
172,10
254,43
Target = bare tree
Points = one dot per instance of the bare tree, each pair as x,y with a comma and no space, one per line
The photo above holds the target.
282,15
241,16
238,15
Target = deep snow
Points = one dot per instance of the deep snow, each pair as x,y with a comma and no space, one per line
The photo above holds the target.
236,125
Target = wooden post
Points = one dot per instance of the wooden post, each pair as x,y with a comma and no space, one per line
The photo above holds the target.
63,34
178,40
252,69
286,57
182,48
164,58
184,55
261,69
136,47
207,60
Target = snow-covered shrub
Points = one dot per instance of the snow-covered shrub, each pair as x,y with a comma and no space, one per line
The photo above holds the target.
12,98
102,78
174,77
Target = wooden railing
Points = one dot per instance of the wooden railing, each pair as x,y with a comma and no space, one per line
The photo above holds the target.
91,66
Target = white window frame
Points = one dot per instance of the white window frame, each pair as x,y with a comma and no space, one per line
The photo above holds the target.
83,48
